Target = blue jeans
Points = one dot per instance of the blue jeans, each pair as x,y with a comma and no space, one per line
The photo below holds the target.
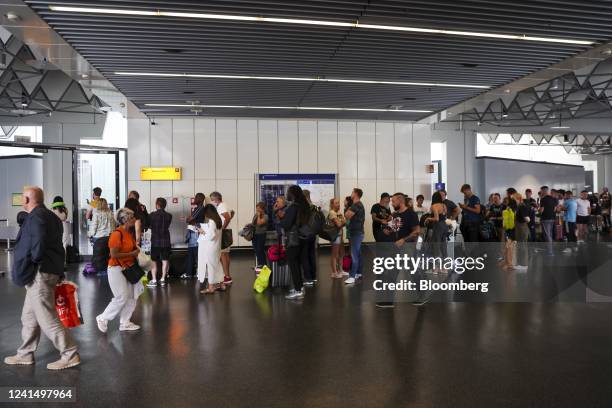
356,240
259,244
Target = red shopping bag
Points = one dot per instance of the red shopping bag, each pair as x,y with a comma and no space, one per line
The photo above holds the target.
67,304
347,262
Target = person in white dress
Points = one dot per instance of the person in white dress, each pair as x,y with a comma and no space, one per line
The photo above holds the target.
209,251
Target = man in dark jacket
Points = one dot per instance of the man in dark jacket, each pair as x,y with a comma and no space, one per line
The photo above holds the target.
39,266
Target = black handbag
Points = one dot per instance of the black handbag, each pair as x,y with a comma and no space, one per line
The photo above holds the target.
227,238
133,274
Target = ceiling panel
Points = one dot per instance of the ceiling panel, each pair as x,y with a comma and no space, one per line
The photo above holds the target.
115,43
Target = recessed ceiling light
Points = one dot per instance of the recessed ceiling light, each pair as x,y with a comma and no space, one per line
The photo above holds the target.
560,127
307,79
192,106
354,24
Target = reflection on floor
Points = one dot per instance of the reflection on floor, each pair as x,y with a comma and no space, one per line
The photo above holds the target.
333,349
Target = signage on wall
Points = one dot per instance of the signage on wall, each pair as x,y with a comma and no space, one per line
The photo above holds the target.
161,173
440,186
16,199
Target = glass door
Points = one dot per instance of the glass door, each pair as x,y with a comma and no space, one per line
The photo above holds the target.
92,169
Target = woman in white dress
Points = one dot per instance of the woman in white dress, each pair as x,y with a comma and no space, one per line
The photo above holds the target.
209,251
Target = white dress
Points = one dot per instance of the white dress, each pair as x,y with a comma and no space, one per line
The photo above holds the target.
209,254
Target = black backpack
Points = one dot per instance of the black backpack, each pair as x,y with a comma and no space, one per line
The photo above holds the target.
316,222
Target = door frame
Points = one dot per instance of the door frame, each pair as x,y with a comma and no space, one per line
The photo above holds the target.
76,149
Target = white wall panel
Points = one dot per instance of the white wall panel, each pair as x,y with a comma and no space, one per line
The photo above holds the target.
307,135
183,153
347,149
205,186
346,186
139,147
384,186
161,143
369,198
327,146
288,146
366,150
403,150
385,151
421,147
183,188
268,146
159,189
205,159
225,138
248,146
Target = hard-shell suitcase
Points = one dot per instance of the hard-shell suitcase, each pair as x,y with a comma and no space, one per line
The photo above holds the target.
280,275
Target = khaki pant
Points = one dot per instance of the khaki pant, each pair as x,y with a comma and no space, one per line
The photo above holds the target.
39,313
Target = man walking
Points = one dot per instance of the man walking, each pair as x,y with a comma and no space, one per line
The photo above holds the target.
39,266
548,209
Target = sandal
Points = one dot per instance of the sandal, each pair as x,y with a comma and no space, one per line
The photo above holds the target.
207,291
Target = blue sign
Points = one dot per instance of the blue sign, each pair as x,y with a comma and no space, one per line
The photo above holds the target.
440,186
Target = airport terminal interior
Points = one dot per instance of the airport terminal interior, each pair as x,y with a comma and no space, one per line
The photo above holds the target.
369,203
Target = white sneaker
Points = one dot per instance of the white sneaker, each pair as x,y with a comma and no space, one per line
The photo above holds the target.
162,282
344,273
349,281
102,324
358,276
129,326
152,284
567,251
294,294
419,243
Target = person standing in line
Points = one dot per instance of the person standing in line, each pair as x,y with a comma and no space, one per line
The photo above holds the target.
570,208
348,201
509,225
142,212
309,250
336,218
606,202
356,215
437,223
583,215
522,220
260,221
59,208
226,216
452,211
548,208
380,215
532,204
278,208
209,251
420,209
191,238
102,222
139,223
161,246
470,219
38,265
93,204
295,215
494,215
401,229
123,254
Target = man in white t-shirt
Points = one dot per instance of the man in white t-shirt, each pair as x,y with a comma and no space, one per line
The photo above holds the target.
226,217
583,215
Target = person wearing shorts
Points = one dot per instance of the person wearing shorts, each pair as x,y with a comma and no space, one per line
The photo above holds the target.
583,215
159,222
226,217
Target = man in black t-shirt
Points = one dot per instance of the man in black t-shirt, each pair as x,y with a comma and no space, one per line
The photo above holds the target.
548,209
380,215
531,203
403,227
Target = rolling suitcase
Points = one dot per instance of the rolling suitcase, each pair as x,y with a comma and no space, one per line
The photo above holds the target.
280,275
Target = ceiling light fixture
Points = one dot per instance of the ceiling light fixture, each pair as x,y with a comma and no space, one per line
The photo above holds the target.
192,106
311,79
354,24
560,127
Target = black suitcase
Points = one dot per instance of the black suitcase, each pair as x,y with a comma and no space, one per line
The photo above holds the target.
281,277
100,255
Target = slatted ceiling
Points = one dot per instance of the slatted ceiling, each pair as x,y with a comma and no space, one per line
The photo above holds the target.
135,43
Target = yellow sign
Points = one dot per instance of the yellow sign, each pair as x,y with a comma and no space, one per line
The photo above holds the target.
161,173
17,199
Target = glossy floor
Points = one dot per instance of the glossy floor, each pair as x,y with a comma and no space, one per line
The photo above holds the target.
332,349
